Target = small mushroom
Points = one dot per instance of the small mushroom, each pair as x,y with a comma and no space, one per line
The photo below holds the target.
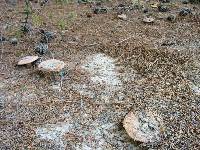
27,60
143,126
154,5
13,41
148,20
51,65
122,17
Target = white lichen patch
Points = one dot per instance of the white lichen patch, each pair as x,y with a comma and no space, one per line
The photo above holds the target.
97,135
104,76
2,85
102,70
95,138
84,90
54,132
102,137
56,87
195,88
28,96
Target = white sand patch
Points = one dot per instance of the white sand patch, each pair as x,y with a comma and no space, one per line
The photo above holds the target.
95,138
105,79
54,132
195,89
102,70
2,85
28,96
103,137
84,90
56,87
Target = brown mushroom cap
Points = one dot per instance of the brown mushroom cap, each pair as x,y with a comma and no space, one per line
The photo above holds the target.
142,126
27,60
51,65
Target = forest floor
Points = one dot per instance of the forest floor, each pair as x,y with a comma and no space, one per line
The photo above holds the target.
113,66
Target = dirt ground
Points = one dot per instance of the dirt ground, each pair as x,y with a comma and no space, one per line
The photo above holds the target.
113,66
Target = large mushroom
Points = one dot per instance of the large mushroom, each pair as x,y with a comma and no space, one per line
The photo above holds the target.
27,60
143,126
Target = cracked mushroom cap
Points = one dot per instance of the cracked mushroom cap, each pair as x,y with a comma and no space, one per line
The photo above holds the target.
51,65
143,126
27,60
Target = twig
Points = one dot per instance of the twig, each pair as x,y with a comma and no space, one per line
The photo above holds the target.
1,46
124,40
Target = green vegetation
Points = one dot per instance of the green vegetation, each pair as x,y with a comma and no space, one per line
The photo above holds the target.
50,15
27,10
71,16
37,20
62,24
63,1
137,4
18,33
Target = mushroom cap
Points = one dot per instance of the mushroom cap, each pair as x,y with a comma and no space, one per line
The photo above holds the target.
27,60
154,5
51,65
122,16
148,20
143,126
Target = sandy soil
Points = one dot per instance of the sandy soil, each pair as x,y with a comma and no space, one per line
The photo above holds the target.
113,66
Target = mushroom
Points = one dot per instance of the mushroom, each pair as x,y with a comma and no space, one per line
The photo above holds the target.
27,60
122,17
51,65
148,20
143,126
154,5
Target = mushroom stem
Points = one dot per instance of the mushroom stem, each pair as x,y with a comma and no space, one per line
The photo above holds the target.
61,81
53,77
